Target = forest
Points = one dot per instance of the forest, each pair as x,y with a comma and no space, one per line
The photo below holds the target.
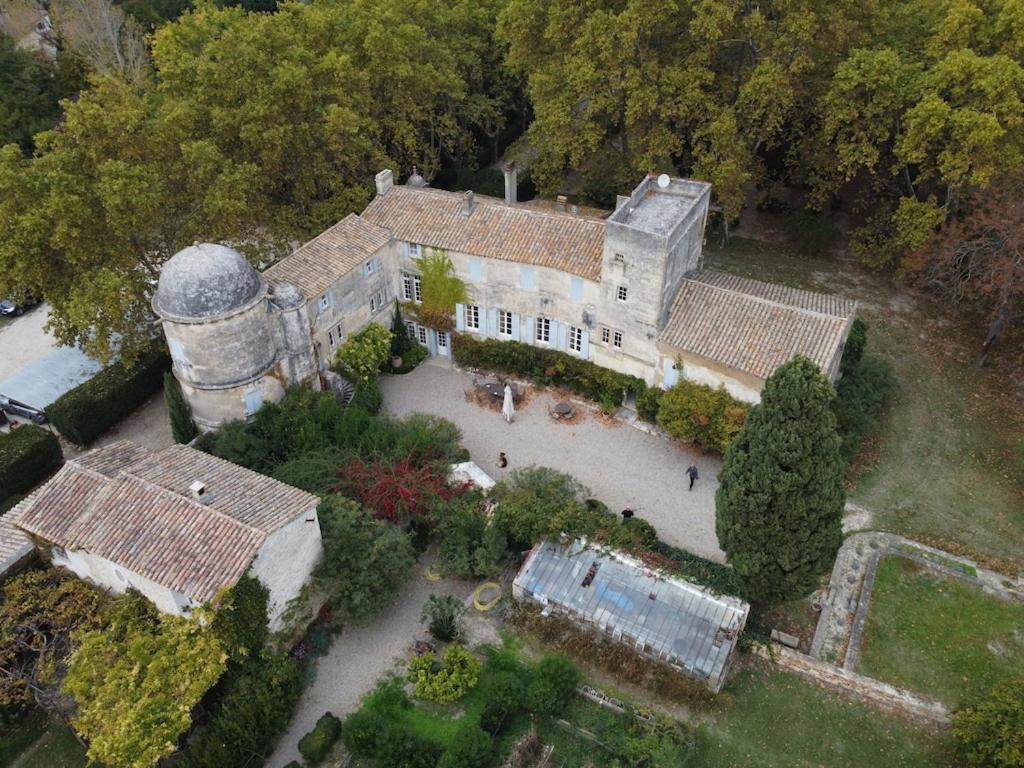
141,127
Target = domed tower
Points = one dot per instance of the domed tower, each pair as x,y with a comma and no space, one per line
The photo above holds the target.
223,333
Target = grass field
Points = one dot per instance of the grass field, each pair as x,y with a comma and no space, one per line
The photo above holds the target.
771,719
939,635
36,742
946,464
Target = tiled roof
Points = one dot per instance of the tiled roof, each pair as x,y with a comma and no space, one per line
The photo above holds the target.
494,229
167,538
133,507
14,544
331,254
249,497
754,327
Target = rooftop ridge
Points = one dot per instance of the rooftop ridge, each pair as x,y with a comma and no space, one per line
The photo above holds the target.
769,301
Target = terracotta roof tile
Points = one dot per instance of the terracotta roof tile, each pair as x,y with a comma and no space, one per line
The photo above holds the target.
569,242
112,458
315,266
755,327
15,546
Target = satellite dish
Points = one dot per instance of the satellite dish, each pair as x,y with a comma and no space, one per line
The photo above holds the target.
663,181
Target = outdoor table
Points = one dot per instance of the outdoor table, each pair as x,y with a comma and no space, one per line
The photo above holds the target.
564,410
498,390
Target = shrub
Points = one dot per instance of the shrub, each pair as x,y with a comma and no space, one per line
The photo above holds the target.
856,341
314,471
364,561
715,576
240,620
401,492
505,695
363,354
367,397
470,547
28,455
182,427
398,746
256,705
696,413
861,396
443,617
529,498
648,403
448,681
990,733
315,745
554,682
545,367
442,290
90,409
471,748
412,357
400,341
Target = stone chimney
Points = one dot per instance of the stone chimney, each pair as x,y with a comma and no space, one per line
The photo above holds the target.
560,202
384,181
468,202
198,491
511,182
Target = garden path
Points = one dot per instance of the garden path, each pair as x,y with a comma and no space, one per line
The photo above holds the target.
622,466
360,656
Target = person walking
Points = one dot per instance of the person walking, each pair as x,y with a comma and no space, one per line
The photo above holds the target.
691,471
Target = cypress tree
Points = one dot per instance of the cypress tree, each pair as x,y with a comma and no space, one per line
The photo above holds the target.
780,497
180,415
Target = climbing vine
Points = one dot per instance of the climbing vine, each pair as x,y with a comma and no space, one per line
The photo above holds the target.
442,290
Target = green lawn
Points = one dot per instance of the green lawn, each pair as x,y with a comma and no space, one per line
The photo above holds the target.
771,719
945,464
35,742
939,635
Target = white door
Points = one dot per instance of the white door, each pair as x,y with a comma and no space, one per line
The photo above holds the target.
442,343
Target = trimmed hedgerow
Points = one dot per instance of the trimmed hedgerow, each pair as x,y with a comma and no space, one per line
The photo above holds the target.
28,455
315,745
93,407
546,367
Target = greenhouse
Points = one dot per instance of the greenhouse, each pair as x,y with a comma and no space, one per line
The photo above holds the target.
665,618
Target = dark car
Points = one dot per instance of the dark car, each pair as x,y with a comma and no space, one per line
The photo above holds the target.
17,408
13,306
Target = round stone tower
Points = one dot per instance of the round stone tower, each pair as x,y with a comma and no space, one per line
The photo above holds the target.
222,333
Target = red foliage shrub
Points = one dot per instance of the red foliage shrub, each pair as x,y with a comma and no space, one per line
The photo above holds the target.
399,492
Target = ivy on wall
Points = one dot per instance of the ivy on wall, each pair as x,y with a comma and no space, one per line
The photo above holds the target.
442,290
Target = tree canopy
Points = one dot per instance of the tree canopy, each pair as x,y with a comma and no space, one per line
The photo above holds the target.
780,497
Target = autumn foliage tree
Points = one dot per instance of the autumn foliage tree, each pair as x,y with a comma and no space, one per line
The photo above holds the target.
976,262
779,504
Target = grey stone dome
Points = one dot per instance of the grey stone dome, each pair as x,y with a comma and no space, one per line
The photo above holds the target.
415,180
287,296
205,279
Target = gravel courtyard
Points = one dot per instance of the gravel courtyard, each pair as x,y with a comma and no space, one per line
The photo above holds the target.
621,465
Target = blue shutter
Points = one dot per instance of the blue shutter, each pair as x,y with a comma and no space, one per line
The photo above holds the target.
526,276
576,289
460,317
492,323
476,271
531,337
585,346
432,341
561,335
671,375
253,402
515,327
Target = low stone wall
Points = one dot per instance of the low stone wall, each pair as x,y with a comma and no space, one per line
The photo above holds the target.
866,689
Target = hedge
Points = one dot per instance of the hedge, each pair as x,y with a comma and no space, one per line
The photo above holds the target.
546,367
715,576
697,413
315,745
91,408
28,455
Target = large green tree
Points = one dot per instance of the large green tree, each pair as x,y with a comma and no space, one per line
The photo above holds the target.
780,498
28,95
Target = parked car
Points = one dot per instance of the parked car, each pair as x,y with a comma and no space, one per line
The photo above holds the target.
13,306
17,408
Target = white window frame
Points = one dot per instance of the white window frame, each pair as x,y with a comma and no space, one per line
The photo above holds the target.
504,322
412,287
617,339
370,267
606,335
421,334
414,250
335,336
377,300
323,302
619,260
473,317
542,333
575,339
442,340
622,293
410,326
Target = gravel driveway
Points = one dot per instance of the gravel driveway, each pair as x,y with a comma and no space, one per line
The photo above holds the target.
24,341
621,465
359,657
